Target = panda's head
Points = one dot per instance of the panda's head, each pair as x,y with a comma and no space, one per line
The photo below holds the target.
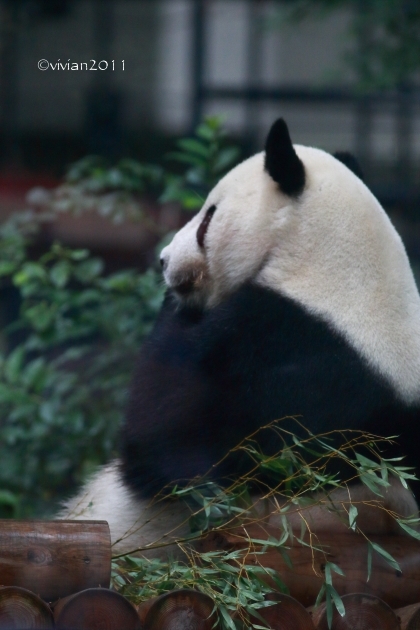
231,239
298,221
282,215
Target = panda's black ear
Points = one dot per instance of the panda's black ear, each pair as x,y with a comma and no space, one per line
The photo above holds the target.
350,161
281,160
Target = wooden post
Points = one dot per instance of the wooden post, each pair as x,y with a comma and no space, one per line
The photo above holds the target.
362,611
184,608
54,558
409,617
349,551
19,608
96,608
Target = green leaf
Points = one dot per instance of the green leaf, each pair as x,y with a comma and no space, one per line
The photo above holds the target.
369,563
194,146
47,412
35,373
366,462
371,481
353,512
40,316
226,618
29,271
205,132
226,159
89,269
8,498
385,555
60,273
7,268
328,606
413,532
337,601
320,595
79,254
14,363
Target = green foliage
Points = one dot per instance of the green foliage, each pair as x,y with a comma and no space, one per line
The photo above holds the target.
203,159
208,159
240,588
332,598
65,363
128,175
63,388
386,33
234,585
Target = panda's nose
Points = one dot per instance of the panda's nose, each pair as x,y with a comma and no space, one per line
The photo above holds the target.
164,262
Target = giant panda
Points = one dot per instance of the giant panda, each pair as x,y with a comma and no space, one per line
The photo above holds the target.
288,294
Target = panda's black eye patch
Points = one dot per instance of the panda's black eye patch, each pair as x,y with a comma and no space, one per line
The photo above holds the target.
203,227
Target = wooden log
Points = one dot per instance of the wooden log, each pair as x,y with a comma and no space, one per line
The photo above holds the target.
19,608
287,614
55,558
349,551
96,609
362,612
409,617
184,608
143,609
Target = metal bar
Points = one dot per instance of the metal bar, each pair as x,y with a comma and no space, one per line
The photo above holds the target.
9,82
254,65
198,59
404,120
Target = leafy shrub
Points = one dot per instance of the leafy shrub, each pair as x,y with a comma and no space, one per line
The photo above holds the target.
63,386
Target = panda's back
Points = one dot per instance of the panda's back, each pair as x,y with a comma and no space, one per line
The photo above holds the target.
207,379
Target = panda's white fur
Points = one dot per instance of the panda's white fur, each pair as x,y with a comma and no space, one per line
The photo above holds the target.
333,250
134,523
304,248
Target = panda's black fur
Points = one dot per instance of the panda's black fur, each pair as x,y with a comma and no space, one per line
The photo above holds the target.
289,294
207,379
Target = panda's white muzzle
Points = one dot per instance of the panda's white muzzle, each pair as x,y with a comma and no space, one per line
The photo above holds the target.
188,278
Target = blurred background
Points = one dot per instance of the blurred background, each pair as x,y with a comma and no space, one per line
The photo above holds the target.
344,74
124,80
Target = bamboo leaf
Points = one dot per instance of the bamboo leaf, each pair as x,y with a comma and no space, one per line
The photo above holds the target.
353,512
413,532
382,552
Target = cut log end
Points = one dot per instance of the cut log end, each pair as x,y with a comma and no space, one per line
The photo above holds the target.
363,612
20,608
409,617
287,613
96,609
186,609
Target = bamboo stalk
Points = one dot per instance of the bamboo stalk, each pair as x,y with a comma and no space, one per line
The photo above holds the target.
55,558
362,612
349,551
20,608
96,608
